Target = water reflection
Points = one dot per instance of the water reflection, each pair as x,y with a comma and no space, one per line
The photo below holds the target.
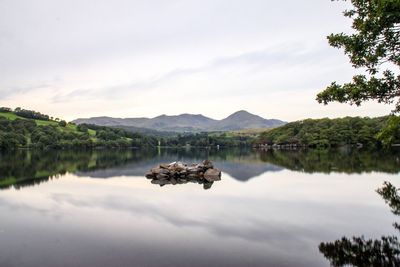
341,160
276,219
206,185
359,251
24,168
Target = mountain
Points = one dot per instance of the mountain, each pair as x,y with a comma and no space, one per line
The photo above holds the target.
186,122
244,120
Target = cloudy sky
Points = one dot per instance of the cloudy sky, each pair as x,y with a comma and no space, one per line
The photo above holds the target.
129,58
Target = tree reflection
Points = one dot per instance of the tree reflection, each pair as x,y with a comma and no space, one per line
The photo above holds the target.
26,168
336,160
358,251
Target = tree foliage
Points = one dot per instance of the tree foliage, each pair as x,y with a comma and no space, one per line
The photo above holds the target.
62,123
391,131
374,43
30,114
327,132
206,140
27,133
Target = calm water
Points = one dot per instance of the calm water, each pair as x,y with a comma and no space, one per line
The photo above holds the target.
270,208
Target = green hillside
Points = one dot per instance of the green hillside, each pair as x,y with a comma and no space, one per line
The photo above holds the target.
69,127
10,116
21,128
334,132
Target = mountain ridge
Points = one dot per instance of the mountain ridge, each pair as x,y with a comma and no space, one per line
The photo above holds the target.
239,120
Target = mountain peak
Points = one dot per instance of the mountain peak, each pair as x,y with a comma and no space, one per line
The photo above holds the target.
242,114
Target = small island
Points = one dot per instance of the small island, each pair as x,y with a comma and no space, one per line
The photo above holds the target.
182,173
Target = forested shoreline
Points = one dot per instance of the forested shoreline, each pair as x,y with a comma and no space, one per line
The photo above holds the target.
353,131
22,128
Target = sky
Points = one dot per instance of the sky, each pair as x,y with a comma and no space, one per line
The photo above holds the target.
126,58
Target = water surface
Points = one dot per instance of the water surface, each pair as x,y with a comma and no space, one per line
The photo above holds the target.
271,208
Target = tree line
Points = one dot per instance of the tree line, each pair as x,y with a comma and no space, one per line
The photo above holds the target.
28,132
335,132
25,113
205,139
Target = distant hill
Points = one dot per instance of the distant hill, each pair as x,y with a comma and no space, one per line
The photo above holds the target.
239,120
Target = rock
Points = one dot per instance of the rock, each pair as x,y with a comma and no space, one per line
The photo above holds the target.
161,176
208,164
177,166
150,175
160,182
207,185
159,170
193,169
192,176
212,175
164,166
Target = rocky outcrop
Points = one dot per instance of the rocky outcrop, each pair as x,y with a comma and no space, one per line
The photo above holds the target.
181,173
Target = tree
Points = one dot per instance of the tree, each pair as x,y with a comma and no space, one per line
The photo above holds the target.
62,123
82,128
390,134
5,109
376,41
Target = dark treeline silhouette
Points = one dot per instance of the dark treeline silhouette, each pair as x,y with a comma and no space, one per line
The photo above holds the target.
30,114
362,252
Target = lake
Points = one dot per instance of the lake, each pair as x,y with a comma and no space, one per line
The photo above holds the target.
271,208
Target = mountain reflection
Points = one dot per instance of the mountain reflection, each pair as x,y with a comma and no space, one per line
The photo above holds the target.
359,251
239,164
24,168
